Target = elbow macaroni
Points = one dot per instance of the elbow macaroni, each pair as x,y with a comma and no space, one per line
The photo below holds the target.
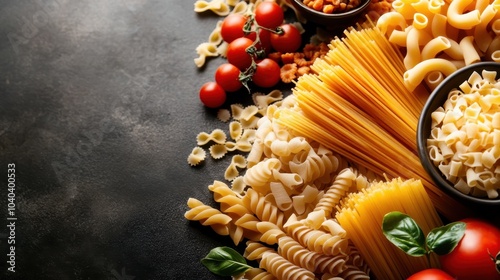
468,32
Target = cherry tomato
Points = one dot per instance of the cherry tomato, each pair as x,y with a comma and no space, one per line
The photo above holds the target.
264,40
237,54
287,42
227,76
267,73
212,95
232,27
431,274
471,258
269,14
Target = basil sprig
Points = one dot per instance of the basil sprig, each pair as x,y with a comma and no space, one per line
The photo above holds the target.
402,231
225,261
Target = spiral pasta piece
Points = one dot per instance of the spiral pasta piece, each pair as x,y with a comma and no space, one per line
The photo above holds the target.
258,274
312,261
284,269
344,180
255,250
263,209
316,240
271,233
207,216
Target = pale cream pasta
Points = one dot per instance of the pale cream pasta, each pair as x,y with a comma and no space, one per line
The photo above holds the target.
196,156
465,136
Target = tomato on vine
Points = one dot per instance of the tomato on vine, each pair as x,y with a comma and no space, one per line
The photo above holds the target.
233,27
237,53
264,41
267,73
269,14
227,76
212,95
287,41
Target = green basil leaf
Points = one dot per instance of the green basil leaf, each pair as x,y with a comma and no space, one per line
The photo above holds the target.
402,231
225,261
442,240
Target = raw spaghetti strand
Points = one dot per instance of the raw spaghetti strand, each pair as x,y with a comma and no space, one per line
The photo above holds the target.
361,120
361,214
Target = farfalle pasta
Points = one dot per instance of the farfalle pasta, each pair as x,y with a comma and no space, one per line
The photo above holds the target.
196,156
217,135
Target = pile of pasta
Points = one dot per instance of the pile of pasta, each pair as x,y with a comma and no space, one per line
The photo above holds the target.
357,105
283,204
301,209
465,136
324,164
440,36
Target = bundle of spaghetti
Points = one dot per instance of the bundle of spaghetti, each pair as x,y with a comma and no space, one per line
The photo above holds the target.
361,215
361,112
382,94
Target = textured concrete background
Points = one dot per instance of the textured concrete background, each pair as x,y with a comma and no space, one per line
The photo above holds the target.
99,110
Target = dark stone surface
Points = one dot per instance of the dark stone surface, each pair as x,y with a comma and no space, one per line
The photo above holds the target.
98,111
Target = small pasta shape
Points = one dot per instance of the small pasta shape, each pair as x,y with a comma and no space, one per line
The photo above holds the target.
263,209
258,176
264,100
196,156
218,151
207,216
271,233
223,115
235,130
218,7
283,269
343,182
316,240
238,185
217,135
312,261
255,250
237,161
205,50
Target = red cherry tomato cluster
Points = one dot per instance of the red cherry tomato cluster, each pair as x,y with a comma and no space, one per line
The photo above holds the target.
250,39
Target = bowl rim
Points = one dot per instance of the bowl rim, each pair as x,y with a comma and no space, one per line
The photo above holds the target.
423,127
352,12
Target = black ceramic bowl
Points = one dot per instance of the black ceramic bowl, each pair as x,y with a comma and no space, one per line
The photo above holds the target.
435,100
333,20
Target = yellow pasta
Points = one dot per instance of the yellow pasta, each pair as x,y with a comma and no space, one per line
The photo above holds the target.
357,116
467,30
460,19
217,135
208,216
361,216
196,156
218,7
235,130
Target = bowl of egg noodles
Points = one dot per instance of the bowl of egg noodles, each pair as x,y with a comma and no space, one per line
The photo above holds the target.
458,134
333,14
